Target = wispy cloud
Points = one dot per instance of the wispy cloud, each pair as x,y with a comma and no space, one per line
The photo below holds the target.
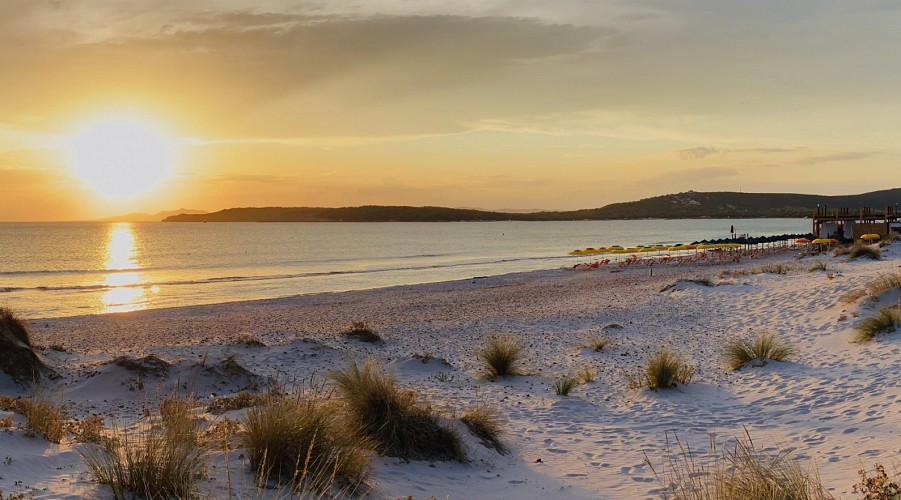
845,156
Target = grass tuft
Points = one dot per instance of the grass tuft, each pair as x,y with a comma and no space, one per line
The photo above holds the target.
738,472
766,346
483,422
886,320
298,442
586,374
361,331
377,409
774,269
819,265
565,384
665,369
598,344
164,458
239,401
45,419
501,357
864,251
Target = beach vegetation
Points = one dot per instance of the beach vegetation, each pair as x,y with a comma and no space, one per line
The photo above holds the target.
778,268
598,344
884,283
298,442
843,250
819,265
45,419
501,356
586,374
738,471
88,430
875,484
485,423
375,408
162,458
361,331
887,319
13,326
890,237
241,400
665,369
853,295
766,346
864,251
565,384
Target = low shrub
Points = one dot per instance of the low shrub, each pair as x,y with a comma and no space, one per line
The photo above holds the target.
766,346
298,442
878,486
565,384
163,458
362,331
501,357
375,408
665,369
484,423
886,320
88,430
737,472
775,268
864,251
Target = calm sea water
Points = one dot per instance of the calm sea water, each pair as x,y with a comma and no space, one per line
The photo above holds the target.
67,269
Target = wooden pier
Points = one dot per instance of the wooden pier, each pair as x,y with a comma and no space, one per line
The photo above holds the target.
851,224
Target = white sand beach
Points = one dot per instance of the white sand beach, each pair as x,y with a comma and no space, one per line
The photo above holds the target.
835,406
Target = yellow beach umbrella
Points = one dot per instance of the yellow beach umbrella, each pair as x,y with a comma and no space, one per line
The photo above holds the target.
871,237
822,241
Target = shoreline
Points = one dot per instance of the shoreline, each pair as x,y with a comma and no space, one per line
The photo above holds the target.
835,405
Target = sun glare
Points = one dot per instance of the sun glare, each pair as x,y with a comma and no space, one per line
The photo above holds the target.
120,157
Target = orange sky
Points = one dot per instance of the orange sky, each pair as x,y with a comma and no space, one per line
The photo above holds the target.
494,104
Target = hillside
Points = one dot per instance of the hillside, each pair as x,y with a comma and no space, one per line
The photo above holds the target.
672,206
144,217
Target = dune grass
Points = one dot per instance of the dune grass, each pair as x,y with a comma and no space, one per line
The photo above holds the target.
864,251
162,458
398,425
819,265
884,283
736,472
775,268
483,422
298,442
665,369
766,346
361,331
12,324
598,344
45,419
501,357
888,319
586,374
565,384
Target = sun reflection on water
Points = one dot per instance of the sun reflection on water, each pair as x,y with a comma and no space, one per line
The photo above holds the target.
124,292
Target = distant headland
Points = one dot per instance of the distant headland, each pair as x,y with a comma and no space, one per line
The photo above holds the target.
686,205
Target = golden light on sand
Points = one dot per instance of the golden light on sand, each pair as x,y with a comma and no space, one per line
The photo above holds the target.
125,292
121,156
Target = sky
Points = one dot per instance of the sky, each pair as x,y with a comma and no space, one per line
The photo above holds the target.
493,104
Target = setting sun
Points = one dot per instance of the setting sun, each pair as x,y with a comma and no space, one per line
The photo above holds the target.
120,157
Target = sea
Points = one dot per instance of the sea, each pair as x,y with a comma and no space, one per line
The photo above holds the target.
57,269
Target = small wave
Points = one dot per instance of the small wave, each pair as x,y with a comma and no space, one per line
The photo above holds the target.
284,276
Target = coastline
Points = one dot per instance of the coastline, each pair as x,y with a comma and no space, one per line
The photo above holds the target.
835,404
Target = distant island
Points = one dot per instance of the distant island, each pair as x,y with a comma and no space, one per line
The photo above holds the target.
686,205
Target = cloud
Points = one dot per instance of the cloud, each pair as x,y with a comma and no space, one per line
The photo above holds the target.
697,153
845,156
